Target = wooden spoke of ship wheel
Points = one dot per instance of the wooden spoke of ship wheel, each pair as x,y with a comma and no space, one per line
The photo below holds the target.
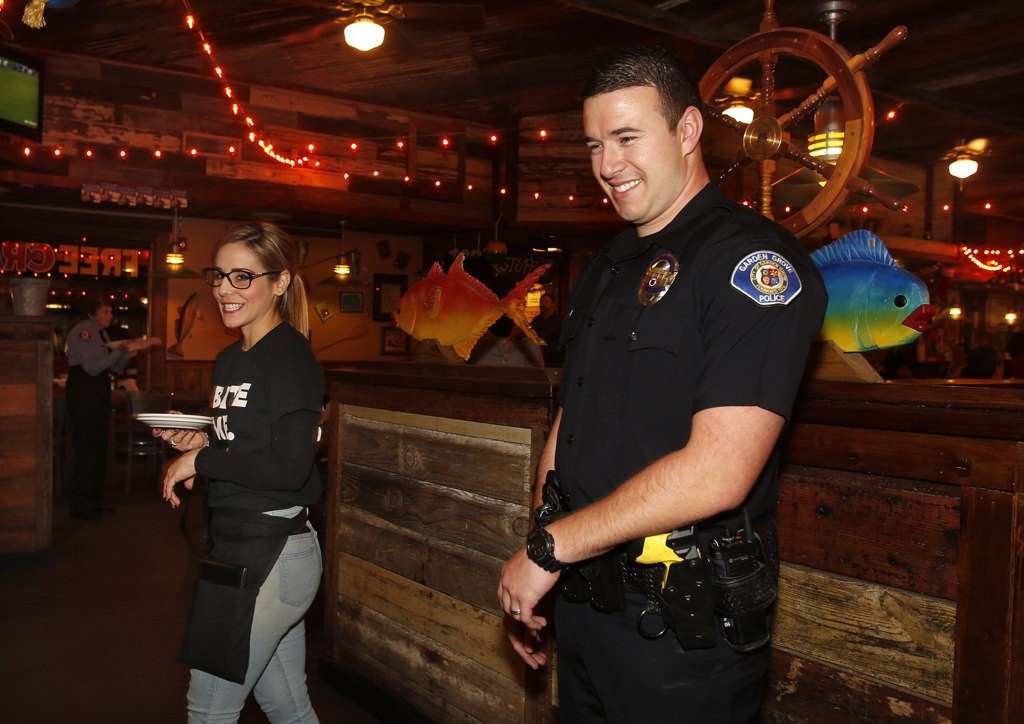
764,139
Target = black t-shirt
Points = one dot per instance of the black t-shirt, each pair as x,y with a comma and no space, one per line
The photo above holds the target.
732,329
266,411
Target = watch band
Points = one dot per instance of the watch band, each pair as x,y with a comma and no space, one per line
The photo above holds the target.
540,548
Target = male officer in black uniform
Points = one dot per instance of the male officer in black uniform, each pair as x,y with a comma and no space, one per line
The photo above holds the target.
92,359
685,342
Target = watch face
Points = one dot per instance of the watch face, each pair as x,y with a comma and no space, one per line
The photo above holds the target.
535,547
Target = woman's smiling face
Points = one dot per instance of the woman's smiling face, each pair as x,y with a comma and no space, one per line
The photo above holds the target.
254,310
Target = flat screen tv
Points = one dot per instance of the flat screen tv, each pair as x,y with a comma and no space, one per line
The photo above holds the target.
21,94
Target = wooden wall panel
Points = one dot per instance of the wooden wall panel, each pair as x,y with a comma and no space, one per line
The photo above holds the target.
495,468
430,487
937,458
431,677
821,525
877,632
26,428
802,690
492,527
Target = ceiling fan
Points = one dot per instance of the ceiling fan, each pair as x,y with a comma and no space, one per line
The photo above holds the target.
364,21
963,159
738,99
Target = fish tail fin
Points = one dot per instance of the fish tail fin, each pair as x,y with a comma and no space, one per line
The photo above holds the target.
464,347
514,304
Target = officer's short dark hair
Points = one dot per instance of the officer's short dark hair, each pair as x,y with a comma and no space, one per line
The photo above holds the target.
648,65
93,302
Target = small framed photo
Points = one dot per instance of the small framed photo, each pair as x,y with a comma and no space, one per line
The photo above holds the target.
323,312
350,302
383,249
393,341
387,291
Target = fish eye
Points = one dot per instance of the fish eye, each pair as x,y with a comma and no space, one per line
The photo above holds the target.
900,301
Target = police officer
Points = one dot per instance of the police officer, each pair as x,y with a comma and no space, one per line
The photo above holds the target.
92,360
685,343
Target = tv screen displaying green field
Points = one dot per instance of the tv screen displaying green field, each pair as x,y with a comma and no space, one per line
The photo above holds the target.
20,94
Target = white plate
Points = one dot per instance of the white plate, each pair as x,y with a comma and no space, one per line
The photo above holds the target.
173,422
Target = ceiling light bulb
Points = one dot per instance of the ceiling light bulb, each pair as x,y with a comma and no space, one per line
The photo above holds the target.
963,166
740,112
364,34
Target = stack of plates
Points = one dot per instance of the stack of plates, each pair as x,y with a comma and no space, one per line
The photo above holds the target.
172,421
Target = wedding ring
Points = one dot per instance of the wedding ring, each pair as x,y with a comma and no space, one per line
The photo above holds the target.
514,611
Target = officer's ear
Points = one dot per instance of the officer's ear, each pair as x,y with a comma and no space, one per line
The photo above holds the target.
689,130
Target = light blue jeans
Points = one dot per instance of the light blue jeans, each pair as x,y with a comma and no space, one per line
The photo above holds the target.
277,646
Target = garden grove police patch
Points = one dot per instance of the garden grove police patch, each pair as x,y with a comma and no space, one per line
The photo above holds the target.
766,277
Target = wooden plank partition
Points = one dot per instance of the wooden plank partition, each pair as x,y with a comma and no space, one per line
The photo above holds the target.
430,474
901,525
26,427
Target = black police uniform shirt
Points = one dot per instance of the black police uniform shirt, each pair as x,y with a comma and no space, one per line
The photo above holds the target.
645,351
266,409
88,349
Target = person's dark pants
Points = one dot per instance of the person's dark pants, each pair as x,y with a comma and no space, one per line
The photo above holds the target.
608,673
88,399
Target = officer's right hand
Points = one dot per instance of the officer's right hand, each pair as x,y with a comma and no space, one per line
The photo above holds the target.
522,587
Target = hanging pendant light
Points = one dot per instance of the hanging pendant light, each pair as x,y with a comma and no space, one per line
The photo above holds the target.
363,33
963,166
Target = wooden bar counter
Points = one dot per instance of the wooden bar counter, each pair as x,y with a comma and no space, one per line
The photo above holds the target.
26,429
901,523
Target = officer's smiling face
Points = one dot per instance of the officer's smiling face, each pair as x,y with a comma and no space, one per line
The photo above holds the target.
643,165
103,317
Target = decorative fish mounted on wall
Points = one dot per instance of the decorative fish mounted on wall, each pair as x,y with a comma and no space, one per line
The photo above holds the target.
457,308
873,303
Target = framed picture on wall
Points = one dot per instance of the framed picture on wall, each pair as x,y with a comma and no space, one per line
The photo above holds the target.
393,341
996,307
387,290
350,302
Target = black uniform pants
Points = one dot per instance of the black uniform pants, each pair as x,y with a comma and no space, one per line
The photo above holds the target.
608,673
88,399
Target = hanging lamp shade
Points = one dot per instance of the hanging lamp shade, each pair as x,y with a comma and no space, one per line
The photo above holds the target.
363,33
963,166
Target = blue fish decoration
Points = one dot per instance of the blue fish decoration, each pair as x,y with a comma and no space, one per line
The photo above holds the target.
873,303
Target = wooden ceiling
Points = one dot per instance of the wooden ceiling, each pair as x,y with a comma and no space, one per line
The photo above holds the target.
958,76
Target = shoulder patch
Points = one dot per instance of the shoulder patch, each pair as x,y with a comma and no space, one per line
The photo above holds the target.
767,278
84,334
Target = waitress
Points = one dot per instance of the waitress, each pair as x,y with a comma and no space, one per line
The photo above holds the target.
246,631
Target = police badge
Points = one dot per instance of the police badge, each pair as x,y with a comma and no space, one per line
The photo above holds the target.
658,278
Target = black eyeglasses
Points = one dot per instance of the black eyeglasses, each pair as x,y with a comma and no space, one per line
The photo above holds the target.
238,278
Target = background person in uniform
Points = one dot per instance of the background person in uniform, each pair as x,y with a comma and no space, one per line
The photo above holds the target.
91,362
686,339
248,635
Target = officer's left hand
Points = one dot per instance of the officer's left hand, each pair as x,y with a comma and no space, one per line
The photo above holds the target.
523,584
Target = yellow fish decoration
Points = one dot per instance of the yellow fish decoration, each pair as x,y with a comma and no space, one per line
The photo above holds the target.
457,309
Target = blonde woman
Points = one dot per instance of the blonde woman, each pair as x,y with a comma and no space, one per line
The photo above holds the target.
246,631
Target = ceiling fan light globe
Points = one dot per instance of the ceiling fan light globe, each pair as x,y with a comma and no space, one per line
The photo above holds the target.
740,112
963,167
364,34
